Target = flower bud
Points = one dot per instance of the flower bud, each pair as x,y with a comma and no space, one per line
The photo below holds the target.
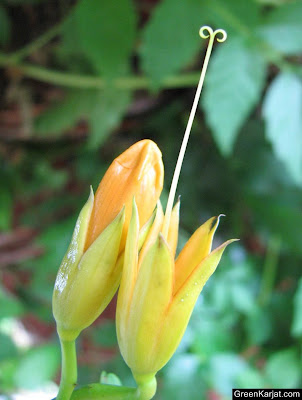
87,281
91,270
138,172
157,295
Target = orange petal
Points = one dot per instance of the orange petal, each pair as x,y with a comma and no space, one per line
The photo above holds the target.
138,172
195,250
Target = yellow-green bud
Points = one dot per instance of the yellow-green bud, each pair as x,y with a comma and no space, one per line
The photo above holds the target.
87,281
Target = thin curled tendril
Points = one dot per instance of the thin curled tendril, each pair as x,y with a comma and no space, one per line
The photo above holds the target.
212,34
206,32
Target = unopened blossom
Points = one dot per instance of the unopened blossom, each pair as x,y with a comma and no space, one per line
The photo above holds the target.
90,272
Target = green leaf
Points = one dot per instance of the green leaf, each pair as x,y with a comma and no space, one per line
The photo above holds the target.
8,368
242,297
37,367
7,347
9,305
209,336
250,378
70,34
64,114
171,39
110,379
258,325
105,335
23,2
183,378
6,204
106,114
55,240
106,33
224,370
283,28
5,27
68,54
282,111
233,87
279,215
283,369
48,176
236,17
296,328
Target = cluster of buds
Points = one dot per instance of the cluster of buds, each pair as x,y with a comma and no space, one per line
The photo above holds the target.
123,238
91,270
119,240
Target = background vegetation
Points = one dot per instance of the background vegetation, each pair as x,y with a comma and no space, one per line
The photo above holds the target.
81,81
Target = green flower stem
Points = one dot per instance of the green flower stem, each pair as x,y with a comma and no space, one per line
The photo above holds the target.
69,370
269,270
145,391
146,387
37,43
98,391
66,79
78,81
92,82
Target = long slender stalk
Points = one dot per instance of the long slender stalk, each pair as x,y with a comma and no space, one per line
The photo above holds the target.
13,60
104,392
69,370
97,391
190,123
67,79
93,82
269,270
37,43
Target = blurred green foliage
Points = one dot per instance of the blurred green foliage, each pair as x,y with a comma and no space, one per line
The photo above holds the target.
103,77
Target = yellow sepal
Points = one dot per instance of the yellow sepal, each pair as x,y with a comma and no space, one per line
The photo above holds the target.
91,285
173,229
150,299
143,233
76,247
69,264
181,307
128,277
153,232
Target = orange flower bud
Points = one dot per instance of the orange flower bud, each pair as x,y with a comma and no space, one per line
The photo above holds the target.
138,172
91,270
